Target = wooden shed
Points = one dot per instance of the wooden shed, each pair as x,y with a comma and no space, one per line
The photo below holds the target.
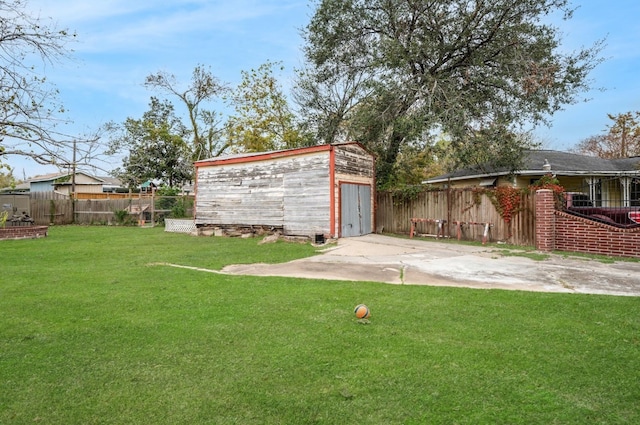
326,190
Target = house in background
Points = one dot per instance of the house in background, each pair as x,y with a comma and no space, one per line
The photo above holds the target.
112,185
149,186
319,191
63,183
607,182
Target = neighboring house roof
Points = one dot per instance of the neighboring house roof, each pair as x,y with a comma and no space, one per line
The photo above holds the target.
46,177
64,182
111,181
55,176
563,163
22,187
62,179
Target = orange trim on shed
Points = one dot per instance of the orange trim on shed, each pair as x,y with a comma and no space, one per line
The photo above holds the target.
332,192
263,156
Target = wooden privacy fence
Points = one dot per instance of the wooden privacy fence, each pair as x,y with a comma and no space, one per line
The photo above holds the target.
52,208
454,213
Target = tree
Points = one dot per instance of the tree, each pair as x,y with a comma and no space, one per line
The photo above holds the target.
156,147
29,108
205,127
622,139
263,120
328,98
7,179
467,69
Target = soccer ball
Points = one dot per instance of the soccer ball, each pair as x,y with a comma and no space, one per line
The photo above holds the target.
362,311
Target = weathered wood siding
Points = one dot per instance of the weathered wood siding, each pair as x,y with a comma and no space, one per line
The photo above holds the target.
306,199
353,165
289,192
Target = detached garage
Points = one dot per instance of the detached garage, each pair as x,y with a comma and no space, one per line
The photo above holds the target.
323,190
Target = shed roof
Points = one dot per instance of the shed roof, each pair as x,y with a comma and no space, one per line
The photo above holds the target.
261,156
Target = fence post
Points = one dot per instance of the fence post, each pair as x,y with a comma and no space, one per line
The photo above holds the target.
545,220
153,208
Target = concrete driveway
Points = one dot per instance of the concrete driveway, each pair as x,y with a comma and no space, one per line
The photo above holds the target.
392,260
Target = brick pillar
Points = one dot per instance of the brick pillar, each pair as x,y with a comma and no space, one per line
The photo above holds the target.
545,220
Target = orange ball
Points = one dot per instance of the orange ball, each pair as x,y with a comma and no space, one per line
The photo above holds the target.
362,311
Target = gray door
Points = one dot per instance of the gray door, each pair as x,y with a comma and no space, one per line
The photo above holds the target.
355,210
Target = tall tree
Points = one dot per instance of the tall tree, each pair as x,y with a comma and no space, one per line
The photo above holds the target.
205,124
155,146
327,97
464,68
263,119
29,108
621,140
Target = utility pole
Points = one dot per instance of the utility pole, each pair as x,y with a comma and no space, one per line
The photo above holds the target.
73,175
73,184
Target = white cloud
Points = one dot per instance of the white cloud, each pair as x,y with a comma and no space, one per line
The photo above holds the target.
130,25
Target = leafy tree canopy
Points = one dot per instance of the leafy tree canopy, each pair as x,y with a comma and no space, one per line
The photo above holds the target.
156,147
263,120
7,179
402,72
204,124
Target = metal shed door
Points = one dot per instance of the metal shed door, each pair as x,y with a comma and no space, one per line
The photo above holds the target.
355,210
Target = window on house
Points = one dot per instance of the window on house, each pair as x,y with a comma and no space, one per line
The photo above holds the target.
491,182
634,192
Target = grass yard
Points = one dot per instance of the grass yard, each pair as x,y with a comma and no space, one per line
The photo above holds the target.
92,333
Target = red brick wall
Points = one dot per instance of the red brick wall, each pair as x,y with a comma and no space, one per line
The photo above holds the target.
584,235
545,220
576,234
23,232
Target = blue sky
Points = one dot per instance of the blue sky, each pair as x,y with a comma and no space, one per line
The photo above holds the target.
120,42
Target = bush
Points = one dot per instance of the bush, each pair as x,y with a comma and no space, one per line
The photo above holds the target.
121,217
171,201
179,209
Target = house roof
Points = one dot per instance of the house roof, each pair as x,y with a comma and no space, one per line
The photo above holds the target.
110,181
260,156
563,163
54,176
22,187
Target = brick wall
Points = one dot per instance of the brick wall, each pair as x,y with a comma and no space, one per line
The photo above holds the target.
557,230
23,232
545,220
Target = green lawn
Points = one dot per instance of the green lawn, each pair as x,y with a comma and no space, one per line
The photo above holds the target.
92,333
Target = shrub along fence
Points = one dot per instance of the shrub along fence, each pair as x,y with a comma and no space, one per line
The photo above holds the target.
460,213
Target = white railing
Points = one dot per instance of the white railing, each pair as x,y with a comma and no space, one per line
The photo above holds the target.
179,225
